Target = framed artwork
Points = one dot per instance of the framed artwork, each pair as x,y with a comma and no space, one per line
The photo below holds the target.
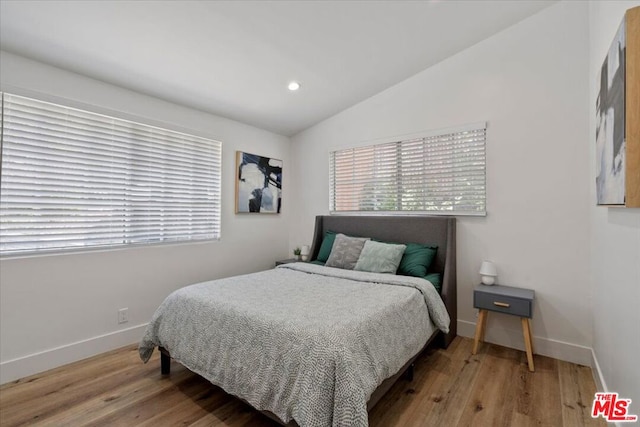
610,124
258,184
618,118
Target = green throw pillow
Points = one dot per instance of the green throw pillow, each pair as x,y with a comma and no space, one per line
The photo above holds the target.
326,246
416,260
435,280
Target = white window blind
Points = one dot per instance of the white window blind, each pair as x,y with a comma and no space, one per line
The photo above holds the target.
76,179
440,173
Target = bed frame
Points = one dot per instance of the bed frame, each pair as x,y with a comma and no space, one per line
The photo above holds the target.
432,230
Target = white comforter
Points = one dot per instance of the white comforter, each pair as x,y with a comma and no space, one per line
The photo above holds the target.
305,342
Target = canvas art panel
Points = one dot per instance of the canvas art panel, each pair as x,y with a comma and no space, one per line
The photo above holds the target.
610,125
258,184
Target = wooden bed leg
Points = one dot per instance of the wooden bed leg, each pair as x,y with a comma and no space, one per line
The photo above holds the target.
165,363
410,371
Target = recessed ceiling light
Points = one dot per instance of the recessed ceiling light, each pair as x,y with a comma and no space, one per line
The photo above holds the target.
294,86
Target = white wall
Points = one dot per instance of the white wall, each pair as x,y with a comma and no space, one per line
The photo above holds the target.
615,243
530,84
59,308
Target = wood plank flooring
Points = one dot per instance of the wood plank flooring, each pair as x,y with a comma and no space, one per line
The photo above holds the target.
450,388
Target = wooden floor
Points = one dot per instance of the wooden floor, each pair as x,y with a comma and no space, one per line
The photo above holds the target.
450,388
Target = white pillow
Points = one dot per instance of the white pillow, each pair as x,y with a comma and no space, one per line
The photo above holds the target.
377,257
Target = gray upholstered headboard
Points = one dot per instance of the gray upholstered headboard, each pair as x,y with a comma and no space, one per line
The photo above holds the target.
432,230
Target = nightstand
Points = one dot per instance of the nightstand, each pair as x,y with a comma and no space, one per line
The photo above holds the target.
286,261
507,300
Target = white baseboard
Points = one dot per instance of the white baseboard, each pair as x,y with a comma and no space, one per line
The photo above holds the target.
601,385
21,367
544,346
31,364
597,374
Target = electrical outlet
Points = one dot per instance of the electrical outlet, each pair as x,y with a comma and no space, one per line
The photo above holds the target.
123,315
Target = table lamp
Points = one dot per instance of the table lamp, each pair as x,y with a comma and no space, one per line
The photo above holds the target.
305,252
488,273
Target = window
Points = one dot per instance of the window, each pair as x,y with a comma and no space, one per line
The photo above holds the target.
443,172
75,179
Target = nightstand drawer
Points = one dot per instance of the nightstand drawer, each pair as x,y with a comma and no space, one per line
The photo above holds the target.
502,303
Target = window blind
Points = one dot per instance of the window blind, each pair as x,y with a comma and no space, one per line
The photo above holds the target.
438,173
77,179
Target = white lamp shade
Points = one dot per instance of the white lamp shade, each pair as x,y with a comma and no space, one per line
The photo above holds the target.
488,269
304,252
488,272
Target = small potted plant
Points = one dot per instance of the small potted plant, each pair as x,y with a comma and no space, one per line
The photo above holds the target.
296,252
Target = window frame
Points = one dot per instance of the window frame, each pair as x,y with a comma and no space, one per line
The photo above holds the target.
470,127
134,122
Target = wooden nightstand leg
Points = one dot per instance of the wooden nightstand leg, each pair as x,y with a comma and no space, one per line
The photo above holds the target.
533,349
526,331
482,317
484,324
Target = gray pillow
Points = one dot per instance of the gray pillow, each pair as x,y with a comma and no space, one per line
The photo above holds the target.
377,257
346,251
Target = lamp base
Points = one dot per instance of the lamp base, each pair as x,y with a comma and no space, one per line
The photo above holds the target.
488,280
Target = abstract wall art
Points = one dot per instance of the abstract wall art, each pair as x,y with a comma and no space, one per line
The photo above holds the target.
258,184
610,133
618,118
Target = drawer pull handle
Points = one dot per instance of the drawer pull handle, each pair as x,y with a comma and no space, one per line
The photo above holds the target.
501,304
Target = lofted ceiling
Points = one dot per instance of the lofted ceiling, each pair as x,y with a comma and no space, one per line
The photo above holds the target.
235,58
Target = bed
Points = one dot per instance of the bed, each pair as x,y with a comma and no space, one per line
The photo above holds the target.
312,345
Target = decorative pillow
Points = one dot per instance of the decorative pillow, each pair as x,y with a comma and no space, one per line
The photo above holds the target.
435,279
377,257
346,251
325,247
416,260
